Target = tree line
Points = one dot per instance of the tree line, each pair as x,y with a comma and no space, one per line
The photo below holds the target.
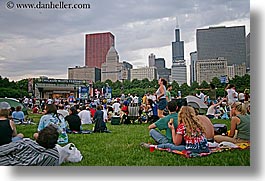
19,89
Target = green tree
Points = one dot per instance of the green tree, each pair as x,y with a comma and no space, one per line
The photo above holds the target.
136,83
204,85
185,89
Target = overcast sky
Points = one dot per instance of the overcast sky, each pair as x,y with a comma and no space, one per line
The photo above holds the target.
37,42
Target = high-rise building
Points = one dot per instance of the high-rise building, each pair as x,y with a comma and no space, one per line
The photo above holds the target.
177,47
210,68
151,60
84,73
97,47
248,52
162,71
112,68
227,42
179,68
193,59
233,70
179,72
145,72
126,70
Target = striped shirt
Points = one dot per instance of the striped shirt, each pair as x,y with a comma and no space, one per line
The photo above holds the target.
27,152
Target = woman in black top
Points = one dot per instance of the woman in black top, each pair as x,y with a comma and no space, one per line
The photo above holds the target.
73,120
8,132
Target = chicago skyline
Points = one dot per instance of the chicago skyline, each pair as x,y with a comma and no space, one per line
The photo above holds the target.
45,42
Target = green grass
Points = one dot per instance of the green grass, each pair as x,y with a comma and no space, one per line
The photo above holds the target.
122,147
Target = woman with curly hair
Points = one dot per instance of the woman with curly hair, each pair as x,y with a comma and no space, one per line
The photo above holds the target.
189,135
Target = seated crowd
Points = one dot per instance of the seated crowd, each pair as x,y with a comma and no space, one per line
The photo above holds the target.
184,127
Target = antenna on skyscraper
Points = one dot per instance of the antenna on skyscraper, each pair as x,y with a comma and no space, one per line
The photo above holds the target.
177,22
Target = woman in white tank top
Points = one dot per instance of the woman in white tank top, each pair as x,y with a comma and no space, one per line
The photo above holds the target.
161,97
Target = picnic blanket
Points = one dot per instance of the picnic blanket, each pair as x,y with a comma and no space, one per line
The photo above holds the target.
214,148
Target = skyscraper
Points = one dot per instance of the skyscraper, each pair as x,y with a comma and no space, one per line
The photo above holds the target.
177,47
162,71
179,68
227,42
248,52
97,47
151,60
193,60
112,68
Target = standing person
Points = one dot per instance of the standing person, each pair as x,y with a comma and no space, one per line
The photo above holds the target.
231,94
52,117
85,115
71,99
18,115
240,121
168,94
161,97
8,132
73,120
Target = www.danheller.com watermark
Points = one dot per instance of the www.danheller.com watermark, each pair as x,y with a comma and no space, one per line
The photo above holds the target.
50,5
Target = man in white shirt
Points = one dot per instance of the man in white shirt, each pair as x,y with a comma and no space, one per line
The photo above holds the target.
116,107
85,116
135,99
62,111
201,96
231,94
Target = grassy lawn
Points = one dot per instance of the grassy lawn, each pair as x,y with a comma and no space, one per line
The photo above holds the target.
122,147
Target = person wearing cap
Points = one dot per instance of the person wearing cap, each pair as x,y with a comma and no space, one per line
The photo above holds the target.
8,132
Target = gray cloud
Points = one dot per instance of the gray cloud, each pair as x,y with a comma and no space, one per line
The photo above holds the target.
38,42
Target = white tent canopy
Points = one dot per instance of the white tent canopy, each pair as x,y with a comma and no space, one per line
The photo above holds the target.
195,102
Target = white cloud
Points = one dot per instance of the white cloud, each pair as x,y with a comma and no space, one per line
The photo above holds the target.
47,42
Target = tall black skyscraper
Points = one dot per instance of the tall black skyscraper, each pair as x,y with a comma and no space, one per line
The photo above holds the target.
177,47
227,42
178,68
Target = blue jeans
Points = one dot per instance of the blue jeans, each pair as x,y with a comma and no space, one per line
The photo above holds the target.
158,137
172,146
16,138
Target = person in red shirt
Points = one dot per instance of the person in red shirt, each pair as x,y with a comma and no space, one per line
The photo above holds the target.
35,109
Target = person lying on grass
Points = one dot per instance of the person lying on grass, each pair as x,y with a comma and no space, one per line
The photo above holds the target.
27,152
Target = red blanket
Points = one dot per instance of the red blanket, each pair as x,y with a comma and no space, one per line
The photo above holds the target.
189,154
